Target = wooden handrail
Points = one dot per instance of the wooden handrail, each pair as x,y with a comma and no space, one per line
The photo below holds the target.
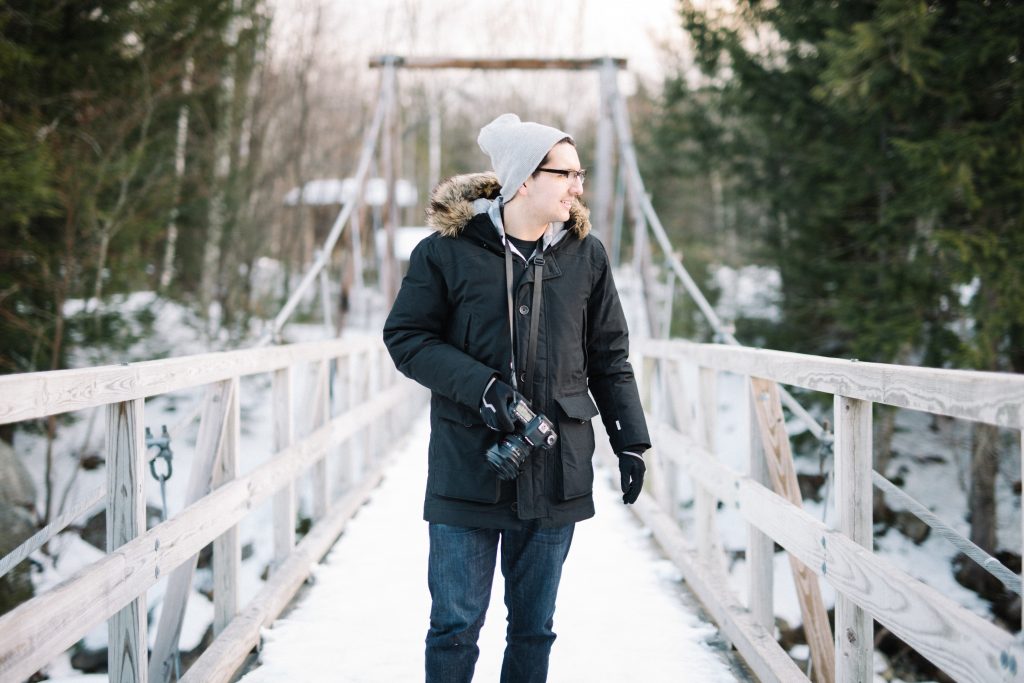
114,587
992,397
963,644
32,395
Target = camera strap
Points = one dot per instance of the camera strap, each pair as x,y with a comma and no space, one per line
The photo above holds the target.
531,354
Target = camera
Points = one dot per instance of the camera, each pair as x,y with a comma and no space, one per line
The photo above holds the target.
532,430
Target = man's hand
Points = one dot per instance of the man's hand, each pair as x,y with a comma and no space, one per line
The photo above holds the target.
496,405
632,468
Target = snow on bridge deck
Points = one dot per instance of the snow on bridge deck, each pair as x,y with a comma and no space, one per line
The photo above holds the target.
622,613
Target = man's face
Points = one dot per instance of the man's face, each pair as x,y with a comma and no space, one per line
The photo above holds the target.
550,195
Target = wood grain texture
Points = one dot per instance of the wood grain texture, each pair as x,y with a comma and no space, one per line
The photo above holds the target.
32,633
215,406
31,395
320,414
126,521
854,494
532,63
760,547
227,548
284,435
782,473
990,397
709,546
962,644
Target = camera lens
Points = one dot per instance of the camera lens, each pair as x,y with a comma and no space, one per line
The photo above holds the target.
507,456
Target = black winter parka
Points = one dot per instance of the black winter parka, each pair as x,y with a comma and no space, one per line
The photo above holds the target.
449,330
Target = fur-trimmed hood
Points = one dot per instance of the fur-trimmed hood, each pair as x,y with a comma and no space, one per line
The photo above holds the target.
451,204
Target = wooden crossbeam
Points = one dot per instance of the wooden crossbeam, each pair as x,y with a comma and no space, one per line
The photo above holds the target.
563,63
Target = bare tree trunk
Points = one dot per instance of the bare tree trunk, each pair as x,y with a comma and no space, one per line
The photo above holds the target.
167,271
981,496
216,213
60,296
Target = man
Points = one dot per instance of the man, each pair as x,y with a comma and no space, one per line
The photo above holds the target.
511,302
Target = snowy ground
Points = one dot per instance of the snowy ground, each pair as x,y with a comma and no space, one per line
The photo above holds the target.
622,615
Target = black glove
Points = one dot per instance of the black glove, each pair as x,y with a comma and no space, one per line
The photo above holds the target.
632,468
496,405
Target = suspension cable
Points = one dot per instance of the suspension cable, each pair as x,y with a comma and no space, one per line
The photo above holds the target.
636,186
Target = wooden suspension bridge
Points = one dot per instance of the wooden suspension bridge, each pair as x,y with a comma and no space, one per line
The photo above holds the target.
358,396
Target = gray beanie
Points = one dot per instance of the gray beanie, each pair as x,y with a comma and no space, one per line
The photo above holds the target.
516,149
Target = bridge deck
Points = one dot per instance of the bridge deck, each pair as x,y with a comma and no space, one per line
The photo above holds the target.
622,612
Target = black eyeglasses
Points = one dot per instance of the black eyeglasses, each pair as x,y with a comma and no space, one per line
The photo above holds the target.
571,176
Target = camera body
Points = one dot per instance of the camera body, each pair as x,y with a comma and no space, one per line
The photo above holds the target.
533,430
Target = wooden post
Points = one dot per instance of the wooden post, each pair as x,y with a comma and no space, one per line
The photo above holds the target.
227,551
284,435
356,445
126,519
372,390
389,148
854,489
779,458
705,504
656,480
434,144
760,547
321,416
604,171
342,473
216,405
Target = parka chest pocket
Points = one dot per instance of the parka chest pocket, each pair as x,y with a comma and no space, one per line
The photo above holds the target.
576,436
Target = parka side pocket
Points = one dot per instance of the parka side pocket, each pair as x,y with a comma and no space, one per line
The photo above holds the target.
576,440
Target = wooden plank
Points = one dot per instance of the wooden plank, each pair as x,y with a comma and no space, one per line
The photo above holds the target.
854,491
30,395
284,435
215,406
227,549
655,478
991,397
126,521
760,547
32,633
705,505
320,412
962,644
568,64
222,658
604,157
779,457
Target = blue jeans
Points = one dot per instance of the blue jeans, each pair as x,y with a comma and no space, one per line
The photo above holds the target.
460,574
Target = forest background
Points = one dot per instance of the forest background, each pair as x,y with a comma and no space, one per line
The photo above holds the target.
869,153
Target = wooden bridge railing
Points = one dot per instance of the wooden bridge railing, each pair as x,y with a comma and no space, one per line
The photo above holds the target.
868,587
357,395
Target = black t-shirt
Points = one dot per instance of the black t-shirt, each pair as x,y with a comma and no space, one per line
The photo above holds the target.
525,247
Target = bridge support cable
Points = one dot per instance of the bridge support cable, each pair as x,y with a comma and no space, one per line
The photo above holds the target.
992,565
385,102
635,187
639,197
